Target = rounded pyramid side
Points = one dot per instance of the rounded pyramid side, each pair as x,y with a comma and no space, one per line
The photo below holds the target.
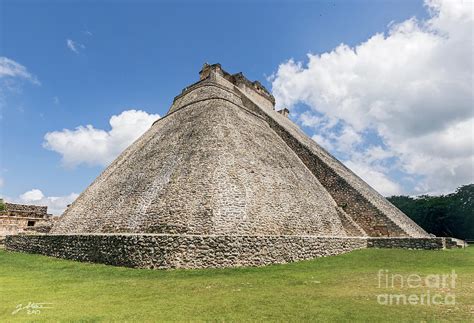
208,167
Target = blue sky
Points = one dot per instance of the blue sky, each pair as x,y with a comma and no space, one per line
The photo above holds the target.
139,55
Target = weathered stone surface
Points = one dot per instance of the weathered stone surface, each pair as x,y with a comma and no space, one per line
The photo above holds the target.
211,167
203,251
180,251
431,243
222,161
16,218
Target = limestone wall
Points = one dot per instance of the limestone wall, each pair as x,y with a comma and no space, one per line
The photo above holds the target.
189,251
23,210
410,243
181,251
10,228
16,218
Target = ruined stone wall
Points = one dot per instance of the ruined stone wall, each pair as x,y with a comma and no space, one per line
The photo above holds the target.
188,251
181,251
215,73
23,210
17,217
10,227
431,243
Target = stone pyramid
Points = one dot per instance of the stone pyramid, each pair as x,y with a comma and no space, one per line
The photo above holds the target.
224,180
224,162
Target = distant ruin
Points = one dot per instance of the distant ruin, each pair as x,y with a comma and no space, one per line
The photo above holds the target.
224,180
18,218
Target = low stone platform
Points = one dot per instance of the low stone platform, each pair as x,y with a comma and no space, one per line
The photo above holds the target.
189,251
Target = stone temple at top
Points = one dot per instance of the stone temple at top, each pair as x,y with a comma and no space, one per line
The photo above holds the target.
223,179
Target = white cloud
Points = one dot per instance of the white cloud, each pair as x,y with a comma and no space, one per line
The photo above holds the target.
410,90
323,141
91,146
74,46
56,204
32,196
376,179
11,75
11,69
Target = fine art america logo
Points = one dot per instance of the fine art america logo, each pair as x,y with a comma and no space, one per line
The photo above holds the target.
432,289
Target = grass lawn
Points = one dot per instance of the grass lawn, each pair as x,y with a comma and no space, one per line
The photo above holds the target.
341,288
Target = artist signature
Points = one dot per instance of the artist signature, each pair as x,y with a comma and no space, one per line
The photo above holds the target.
31,308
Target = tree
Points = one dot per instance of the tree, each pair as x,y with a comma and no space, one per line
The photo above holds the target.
445,215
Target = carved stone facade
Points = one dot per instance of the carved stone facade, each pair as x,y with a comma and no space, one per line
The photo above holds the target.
17,218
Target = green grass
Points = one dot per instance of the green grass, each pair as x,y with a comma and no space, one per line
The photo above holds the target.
340,288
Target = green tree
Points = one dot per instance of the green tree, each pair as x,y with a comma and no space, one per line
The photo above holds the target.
445,215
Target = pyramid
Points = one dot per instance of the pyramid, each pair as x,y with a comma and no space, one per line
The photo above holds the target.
223,179
223,161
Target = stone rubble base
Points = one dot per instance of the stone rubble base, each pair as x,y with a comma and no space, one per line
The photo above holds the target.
160,251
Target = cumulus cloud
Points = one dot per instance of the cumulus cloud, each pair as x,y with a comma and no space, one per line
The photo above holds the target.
408,91
91,146
74,45
374,178
56,204
32,196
